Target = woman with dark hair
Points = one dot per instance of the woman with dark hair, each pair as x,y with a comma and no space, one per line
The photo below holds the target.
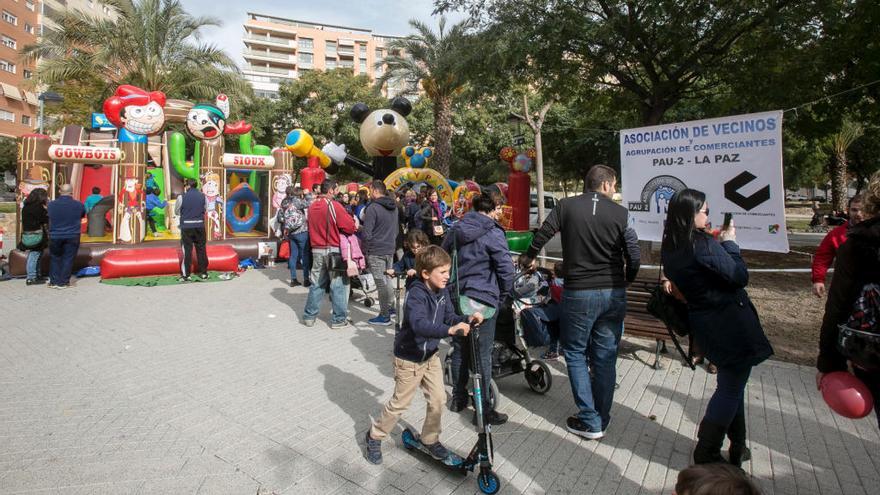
711,276
432,214
34,238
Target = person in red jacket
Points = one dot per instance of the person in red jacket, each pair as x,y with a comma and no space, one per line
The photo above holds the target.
831,243
327,218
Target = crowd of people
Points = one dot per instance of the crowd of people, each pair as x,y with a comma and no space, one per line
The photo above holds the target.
335,236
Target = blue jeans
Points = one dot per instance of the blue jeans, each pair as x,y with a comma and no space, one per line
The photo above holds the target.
541,325
33,264
322,279
461,361
63,252
590,328
299,251
727,400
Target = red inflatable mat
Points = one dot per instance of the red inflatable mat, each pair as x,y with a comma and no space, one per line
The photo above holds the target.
142,262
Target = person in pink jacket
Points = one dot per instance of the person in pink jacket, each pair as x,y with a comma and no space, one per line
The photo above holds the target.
831,243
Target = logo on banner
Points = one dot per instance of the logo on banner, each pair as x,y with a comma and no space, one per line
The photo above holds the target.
773,229
657,193
732,187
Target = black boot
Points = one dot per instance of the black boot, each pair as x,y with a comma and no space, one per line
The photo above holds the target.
710,436
738,452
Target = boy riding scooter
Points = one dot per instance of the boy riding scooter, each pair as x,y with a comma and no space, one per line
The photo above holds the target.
428,317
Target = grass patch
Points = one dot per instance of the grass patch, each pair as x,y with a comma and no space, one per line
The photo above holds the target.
797,224
7,207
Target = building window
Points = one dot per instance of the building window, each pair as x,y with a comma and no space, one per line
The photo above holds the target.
8,116
306,44
29,4
330,63
8,42
28,28
363,51
363,65
379,54
7,66
28,74
11,19
378,71
346,64
305,58
331,48
26,119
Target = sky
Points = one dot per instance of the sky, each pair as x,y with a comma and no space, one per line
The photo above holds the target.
382,16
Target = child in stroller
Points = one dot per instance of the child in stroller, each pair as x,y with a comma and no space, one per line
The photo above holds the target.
541,320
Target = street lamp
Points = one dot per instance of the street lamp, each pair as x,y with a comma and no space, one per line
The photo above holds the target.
49,96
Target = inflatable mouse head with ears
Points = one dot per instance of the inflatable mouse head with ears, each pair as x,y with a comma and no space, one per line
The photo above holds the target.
385,131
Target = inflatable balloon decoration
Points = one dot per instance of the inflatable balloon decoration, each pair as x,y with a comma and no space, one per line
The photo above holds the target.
518,186
135,112
383,133
846,395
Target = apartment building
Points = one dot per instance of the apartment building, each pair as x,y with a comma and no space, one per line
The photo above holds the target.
19,26
21,23
279,49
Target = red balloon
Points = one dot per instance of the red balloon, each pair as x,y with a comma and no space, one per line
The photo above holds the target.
846,395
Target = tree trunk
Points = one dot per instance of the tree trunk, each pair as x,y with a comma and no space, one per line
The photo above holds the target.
838,182
442,135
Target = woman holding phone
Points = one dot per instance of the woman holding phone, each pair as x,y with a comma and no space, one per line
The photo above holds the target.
711,275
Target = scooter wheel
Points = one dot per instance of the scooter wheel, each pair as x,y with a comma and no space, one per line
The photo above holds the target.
488,482
538,377
368,302
408,439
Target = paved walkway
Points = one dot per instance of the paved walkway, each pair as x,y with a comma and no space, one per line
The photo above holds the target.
215,388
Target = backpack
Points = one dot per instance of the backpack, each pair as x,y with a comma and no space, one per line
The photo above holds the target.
292,218
859,338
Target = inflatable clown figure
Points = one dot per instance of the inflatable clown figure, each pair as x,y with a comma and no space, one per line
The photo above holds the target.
136,113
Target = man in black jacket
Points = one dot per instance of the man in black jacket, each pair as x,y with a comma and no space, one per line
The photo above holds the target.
379,233
600,256
192,231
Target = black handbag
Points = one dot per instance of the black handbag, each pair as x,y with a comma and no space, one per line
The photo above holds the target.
669,310
334,260
673,314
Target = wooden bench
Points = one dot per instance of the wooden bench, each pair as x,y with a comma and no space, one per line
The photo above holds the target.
639,321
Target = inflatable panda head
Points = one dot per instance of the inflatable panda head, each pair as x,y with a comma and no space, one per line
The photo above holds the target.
383,132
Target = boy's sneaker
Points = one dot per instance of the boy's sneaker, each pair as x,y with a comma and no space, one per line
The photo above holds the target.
392,312
437,451
203,276
307,283
374,449
184,279
51,286
579,428
380,320
308,323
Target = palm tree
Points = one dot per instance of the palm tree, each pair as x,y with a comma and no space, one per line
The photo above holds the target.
849,132
153,44
431,60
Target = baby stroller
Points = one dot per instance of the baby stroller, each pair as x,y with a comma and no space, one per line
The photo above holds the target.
510,354
358,276
366,284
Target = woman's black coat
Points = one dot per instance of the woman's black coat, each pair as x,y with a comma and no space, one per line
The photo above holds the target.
712,277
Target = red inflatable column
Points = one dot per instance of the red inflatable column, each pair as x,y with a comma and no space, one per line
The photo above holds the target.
313,174
518,185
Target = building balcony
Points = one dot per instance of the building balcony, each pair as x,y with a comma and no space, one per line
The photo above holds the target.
269,70
271,27
345,53
345,42
269,41
271,56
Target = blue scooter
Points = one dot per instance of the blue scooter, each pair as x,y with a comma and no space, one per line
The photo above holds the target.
482,453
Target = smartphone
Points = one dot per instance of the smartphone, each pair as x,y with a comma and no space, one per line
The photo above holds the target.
727,219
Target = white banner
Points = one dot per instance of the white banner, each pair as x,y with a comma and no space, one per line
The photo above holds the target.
736,161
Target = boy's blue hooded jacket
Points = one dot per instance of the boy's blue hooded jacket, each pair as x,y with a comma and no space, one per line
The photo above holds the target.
485,270
427,316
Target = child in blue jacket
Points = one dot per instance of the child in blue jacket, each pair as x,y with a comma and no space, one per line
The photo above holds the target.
428,317
416,240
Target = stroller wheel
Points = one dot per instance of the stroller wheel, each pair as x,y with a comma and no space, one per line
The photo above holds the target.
538,377
368,302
